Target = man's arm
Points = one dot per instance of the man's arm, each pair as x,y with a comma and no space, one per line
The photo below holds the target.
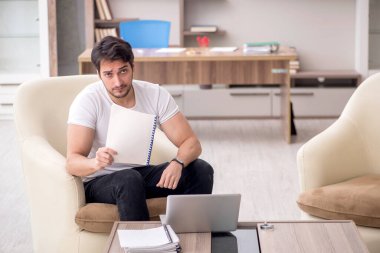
178,130
79,143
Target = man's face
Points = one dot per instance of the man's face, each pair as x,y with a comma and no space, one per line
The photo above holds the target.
117,77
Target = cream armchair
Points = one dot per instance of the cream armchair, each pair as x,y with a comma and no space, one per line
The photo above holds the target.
348,149
55,197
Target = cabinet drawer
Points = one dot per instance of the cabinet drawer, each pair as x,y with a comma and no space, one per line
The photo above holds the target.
244,102
8,88
6,106
315,102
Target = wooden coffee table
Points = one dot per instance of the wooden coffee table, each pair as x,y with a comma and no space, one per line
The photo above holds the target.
279,236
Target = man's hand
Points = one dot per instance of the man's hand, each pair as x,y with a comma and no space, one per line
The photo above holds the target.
104,157
170,177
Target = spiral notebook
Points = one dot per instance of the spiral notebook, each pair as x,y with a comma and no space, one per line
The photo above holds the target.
131,134
160,239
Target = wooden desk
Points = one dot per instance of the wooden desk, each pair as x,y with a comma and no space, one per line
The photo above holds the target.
201,66
286,236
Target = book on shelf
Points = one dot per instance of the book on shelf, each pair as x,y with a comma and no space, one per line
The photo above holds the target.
294,66
131,135
203,28
103,9
261,47
159,239
106,9
99,8
100,33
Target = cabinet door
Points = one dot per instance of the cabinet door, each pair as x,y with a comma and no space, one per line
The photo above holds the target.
19,37
244,102
315,102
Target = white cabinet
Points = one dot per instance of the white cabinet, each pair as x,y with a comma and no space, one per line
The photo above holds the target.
314,102
313,94
25,46
19,40
224,102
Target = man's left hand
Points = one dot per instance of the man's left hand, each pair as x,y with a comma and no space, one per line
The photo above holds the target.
170,177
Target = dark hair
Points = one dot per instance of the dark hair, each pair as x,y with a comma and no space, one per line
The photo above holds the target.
111,48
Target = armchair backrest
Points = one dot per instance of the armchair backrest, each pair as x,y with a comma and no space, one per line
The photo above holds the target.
363,113
42,107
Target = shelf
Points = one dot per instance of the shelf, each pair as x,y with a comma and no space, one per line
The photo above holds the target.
12,36
218,32
100,23
374,31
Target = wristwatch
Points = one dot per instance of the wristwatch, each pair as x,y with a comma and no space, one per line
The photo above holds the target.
176,159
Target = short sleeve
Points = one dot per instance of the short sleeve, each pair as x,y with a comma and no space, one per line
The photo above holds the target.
167,107
83,111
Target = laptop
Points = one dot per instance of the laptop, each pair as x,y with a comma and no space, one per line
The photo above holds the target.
202,213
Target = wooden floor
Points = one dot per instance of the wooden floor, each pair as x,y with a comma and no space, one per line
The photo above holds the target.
249,157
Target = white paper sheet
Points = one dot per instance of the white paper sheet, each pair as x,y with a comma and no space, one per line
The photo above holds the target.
146,238
171,50
130,134
223,49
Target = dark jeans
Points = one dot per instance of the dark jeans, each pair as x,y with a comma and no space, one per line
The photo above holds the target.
130,188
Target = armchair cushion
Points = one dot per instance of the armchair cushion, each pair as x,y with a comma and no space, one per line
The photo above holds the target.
357,199
99,217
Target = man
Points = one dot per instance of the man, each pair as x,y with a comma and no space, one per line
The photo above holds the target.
122,184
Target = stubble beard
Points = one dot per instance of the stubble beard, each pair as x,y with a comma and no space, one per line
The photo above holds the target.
122,95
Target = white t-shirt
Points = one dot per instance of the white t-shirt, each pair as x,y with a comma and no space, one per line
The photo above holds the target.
91,108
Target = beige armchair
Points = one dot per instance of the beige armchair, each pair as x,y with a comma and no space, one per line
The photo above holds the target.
349,148
55,197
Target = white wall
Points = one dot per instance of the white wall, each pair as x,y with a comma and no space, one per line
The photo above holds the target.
168,10
322,31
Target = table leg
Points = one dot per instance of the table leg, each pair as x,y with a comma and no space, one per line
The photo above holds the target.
286,110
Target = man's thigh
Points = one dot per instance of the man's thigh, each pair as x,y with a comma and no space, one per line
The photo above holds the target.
104,189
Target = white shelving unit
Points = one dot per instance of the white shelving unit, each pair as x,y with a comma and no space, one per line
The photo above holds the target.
25,47
374,37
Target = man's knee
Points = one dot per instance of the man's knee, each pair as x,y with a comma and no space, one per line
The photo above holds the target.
203,174
202,168
199,177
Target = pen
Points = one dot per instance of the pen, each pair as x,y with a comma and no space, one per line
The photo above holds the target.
167,233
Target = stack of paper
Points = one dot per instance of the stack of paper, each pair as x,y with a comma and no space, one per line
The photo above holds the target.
258,50
159,240
261,47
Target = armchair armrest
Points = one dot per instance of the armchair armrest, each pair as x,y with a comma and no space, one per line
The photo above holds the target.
54,195
335,155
